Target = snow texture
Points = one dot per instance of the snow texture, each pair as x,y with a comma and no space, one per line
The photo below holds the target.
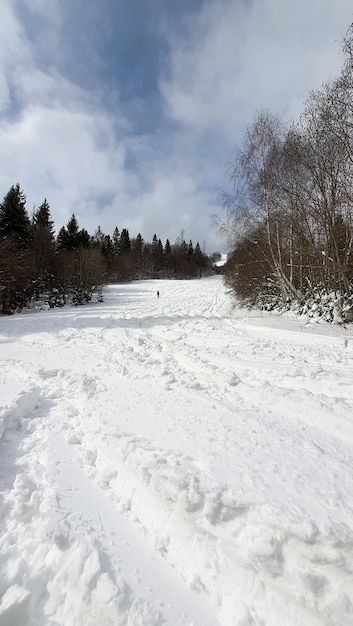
175,461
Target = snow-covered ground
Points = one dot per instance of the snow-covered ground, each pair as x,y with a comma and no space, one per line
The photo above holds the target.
175,461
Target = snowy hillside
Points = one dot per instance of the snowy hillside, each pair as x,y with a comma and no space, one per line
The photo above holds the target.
173,462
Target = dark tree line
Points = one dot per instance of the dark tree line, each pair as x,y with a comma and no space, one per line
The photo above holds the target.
37,265
290,214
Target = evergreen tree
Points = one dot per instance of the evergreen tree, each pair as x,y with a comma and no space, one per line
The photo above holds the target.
68,237
14,220
157,254
107,246
168,259
98,238
137,256
62,238
137,248
197,250
190,250
124,242
199,259
16,259
116,241
41,218
138,244
83,239
72,231
167,248
43,246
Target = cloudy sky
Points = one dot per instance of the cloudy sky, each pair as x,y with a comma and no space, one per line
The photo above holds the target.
126,112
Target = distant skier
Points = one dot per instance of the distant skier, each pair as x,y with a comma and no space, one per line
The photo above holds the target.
157,294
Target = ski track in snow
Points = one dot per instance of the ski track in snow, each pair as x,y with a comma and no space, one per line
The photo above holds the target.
175,461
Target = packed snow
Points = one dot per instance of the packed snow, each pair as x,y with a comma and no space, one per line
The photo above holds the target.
175,461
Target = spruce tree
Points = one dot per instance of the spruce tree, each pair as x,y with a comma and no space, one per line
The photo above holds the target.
14,220
98,238
42,218
107,246
124,242
62,238
83,239
116,241
43,247
168,258
137,248
68,237
16,257
190,250
72,231
199,259
167,248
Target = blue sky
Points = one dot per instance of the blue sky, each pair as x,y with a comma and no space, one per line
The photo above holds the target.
126,112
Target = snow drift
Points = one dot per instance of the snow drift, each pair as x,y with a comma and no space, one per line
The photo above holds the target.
175,461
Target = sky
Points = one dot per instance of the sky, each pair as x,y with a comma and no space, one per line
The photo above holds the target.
175,461
127,113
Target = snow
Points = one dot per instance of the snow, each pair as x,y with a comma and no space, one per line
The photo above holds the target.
175,461
222,261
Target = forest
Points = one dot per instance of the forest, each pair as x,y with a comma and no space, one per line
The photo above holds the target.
289,212
36,266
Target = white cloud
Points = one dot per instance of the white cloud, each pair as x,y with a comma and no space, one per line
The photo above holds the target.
234,58
171,205
67,156
14,51
56,141
231,58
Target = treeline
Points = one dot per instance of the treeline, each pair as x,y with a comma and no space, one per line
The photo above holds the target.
290,213
37,265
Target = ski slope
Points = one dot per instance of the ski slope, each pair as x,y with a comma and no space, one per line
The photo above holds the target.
175,461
